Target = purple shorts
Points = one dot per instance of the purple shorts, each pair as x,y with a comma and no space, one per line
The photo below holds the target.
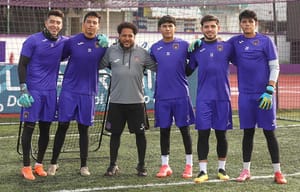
72,106
252,116
180,109
213,114
42,109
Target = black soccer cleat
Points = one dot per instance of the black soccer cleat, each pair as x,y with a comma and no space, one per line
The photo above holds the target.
112,170
141,171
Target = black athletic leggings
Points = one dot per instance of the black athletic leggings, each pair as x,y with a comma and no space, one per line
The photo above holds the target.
203,144
59,139
271,142
165,140
43,141
141,144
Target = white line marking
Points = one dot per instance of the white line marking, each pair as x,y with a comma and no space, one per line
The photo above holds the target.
163,184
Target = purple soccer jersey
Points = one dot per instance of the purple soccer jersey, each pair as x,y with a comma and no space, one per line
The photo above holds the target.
171,91
45,57
251,57
81,74
213,108
212,60
42,73
171,60
80,83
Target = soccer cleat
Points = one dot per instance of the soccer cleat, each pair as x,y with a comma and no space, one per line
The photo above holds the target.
39,170
164,171
245,175
141,171
222,175
112,170
188,172
202,177
27,173
52,169
84,171
279,178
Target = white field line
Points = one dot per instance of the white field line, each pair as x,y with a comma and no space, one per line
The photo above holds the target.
163,184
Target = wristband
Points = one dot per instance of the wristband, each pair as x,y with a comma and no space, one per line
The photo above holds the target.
270,89
23,88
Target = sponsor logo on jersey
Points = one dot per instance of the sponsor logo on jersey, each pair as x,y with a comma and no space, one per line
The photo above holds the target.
159,48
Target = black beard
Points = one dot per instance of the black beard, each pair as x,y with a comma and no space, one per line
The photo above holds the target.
48,35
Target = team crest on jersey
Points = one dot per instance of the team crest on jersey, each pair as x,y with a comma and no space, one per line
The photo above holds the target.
220,47
255,42
175,45
26,115
97,44
136,59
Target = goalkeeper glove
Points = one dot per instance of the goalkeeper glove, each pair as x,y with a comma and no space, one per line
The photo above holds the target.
102,40
265,100
25,99
194,45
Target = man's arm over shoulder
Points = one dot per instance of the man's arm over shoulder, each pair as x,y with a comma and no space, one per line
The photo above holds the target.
104,62
150,63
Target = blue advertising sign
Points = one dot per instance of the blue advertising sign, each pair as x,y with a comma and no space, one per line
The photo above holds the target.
10,91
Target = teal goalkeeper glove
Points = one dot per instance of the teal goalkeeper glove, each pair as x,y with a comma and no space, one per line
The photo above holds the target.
102,40
266,98
25,99
194,45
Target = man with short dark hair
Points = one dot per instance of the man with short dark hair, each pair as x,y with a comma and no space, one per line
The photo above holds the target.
172,98
38,72
79,87
127,62
258,69
213,106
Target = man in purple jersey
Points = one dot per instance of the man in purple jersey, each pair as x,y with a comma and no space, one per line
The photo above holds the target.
127,62
171,95
38,72
258,68
79,87
213,106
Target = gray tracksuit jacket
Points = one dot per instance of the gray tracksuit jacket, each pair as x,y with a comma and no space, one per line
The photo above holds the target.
127,70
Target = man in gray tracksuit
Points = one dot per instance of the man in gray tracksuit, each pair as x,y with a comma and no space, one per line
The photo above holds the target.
127,62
